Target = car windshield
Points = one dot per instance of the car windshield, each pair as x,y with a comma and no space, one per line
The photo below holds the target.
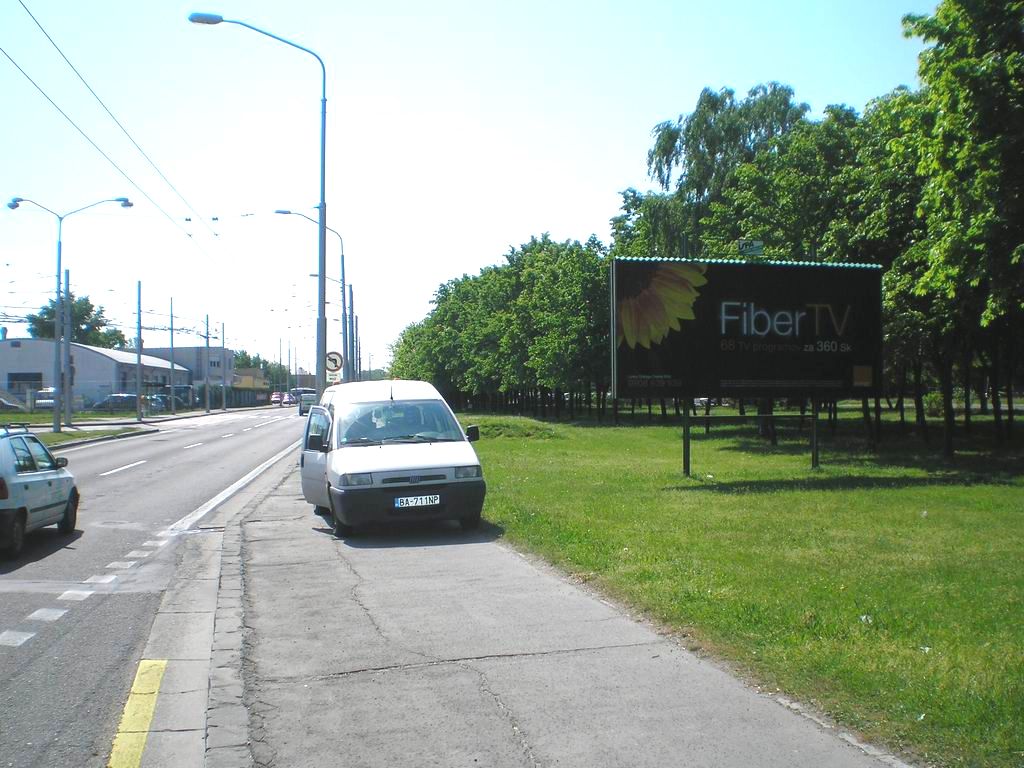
395,421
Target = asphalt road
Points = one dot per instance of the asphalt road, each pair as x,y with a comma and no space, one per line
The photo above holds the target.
75,611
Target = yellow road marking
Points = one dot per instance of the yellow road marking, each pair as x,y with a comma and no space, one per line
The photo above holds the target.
138,714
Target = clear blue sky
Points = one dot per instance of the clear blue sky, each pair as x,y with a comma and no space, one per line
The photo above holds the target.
455,130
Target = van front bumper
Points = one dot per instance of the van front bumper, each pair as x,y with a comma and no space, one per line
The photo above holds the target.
358,506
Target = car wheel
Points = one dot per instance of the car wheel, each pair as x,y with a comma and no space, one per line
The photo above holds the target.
16,542
70,519
343,531
322,511
470,523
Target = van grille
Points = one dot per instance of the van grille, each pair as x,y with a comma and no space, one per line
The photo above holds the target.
412,479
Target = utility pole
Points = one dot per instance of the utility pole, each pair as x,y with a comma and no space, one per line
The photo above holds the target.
206,366
277,381
350,353
68,317
138,355
223,373
173,396
359,353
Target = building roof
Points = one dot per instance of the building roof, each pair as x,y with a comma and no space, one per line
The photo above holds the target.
123,356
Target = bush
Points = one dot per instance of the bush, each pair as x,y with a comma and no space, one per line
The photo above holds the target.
933,404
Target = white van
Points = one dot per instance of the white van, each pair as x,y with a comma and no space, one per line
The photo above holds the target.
383,451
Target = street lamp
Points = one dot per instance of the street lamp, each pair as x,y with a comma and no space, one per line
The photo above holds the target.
58,389
321,319
345,342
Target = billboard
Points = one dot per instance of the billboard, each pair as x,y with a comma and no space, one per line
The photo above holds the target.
717,327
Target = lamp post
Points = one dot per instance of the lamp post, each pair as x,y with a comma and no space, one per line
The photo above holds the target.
58,389
321,319
346,370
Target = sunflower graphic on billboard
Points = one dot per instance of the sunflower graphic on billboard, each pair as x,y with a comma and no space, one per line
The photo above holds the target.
654,301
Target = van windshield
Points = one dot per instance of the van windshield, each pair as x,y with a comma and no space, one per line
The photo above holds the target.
419,421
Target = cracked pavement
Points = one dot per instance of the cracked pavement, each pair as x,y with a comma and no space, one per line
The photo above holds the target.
426,646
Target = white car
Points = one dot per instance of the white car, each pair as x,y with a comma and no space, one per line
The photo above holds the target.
36,489
389,451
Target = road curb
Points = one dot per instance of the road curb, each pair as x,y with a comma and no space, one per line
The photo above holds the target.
73,443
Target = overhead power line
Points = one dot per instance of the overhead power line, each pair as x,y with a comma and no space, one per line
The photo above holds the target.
95,145
118,122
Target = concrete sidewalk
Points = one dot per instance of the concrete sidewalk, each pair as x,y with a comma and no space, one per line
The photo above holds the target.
427,646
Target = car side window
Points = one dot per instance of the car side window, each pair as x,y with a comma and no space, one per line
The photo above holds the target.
319,424
22,458
41,456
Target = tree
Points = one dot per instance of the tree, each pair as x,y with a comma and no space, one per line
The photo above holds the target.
708,145
972,157
790,193
88,324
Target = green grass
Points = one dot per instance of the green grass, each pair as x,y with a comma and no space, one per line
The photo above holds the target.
57,438
886,588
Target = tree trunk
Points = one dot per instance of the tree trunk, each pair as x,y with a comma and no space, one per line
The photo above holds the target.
948,412
966,374
1011,364
866,412
997,406
919,417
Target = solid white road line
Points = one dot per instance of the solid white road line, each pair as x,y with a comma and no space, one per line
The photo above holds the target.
121,469
47,614
196,514
14,639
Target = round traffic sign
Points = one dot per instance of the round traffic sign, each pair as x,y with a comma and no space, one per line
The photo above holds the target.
334,361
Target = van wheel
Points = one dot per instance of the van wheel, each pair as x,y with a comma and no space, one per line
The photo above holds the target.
70,519
470,523
16,541
343,531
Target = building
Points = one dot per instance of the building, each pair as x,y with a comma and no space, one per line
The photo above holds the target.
216,362
27,365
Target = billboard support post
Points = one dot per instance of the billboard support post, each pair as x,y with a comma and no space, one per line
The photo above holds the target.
686,437
814,432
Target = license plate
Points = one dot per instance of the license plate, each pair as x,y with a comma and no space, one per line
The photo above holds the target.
417,501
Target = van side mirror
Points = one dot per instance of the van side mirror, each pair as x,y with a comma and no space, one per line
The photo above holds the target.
62,461
315,442
473,433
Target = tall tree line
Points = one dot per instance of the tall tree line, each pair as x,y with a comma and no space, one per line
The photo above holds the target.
929,183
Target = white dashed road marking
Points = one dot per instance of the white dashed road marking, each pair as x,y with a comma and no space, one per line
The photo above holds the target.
75,594
121,469
138,554
47,614
14,639
105,579
154,543
194,445
121,564
230,434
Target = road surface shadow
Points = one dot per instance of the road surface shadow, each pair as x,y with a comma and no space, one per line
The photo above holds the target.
38,545
428,533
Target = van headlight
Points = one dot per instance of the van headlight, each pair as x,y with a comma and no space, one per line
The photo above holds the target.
462,473
358,478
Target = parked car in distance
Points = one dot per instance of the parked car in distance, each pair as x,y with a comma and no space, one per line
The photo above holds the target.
287,399
115,402
44,399
389,451
36,489
306,401
165,402
275,398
